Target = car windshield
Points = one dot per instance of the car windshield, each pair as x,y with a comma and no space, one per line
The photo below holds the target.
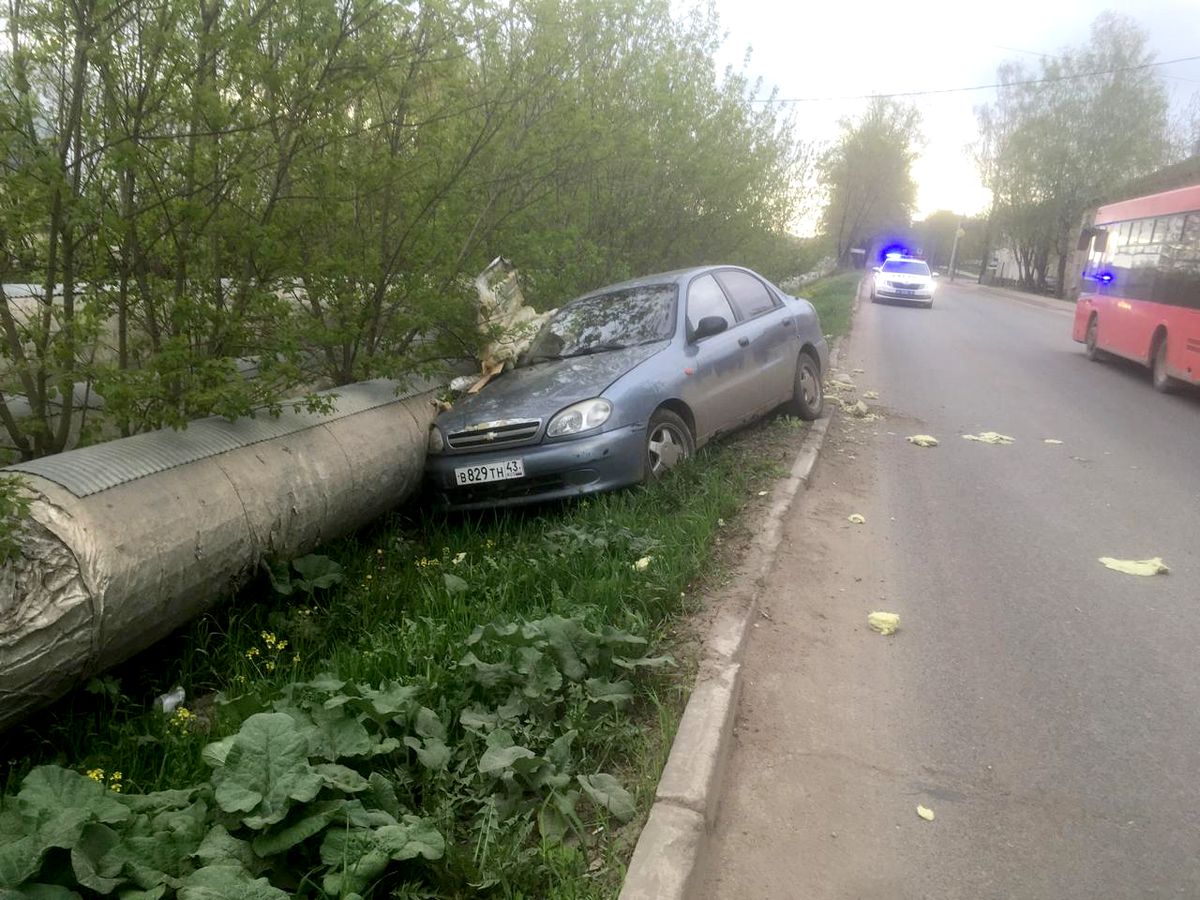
611,321
906,267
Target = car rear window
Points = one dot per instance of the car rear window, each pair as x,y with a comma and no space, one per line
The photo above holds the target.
906,267
749,296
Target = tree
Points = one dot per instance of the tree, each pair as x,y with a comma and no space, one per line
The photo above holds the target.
868,175
1058,137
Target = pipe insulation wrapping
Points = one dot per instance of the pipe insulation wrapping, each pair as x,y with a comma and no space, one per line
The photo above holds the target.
128,540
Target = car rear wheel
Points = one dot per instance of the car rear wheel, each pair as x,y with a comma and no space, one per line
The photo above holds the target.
668,443
1089,340
808,397
1163,382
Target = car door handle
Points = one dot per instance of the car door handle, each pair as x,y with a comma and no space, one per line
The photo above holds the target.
743,342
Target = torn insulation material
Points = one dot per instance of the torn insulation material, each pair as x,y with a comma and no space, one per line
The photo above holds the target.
884,622
990,437
922,440
856,519
1143,567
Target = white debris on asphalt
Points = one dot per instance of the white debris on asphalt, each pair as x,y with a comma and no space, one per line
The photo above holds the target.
922,440
990,437
884,622
1050,441
925,813
856,519
1143,567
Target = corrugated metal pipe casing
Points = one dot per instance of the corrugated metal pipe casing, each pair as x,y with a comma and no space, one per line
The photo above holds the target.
130,539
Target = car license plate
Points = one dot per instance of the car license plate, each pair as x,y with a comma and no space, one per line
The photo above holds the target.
502,470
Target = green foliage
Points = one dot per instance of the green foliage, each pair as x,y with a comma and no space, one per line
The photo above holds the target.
386,693
833,298
14,509
1043,163
868,175
227,204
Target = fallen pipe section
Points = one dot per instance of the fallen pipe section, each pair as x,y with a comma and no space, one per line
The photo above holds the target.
130,539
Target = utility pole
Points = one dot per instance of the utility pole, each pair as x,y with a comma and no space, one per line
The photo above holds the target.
958,232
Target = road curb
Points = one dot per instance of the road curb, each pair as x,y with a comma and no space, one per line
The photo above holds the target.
666,863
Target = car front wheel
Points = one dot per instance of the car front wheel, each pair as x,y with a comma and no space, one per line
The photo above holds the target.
668,443
808,398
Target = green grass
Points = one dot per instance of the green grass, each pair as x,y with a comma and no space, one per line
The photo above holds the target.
833,297
414,588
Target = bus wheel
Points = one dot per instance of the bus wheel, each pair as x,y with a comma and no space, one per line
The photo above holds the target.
1089,341
1163,382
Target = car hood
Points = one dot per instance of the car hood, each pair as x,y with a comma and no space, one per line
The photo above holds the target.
541,390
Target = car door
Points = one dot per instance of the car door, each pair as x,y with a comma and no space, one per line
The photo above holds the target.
771,334
716,385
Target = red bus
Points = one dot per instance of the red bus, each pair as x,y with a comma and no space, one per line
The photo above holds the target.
1140,295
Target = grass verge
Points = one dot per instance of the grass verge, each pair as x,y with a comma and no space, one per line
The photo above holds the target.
833,296
435,707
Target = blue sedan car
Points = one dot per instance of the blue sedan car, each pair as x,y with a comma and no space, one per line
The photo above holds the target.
623,383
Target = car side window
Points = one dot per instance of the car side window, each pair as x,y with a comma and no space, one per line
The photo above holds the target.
705,298
749,295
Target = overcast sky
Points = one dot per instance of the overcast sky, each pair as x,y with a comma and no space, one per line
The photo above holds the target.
822,49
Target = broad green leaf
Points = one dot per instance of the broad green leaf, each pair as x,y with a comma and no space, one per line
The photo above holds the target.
358,856
429,725
644,662
39,892
159,800
496,760
552,824
607,793
281,579
487,674
540,674
97,859
318,571
339,733
601,690
559,752
383,794
454,584
227,882
495,632
343,778
560,634
220,848
265,770
60,802
325,683
392,699
304,822
477,719
20,859
432,753
215,753
154,893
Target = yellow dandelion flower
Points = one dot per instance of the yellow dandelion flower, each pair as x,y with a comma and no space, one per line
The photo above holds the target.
296,659
115,776
281,646
270,665
115,787
96,775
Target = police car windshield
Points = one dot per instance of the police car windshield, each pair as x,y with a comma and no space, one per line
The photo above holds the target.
906,266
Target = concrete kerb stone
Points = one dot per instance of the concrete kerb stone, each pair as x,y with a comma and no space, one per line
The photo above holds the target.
666,863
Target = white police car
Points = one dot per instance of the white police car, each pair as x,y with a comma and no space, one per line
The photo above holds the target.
903,278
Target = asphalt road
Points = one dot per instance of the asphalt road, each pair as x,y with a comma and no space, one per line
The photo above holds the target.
1046,708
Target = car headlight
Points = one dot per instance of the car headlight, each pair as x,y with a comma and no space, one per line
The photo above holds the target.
579,417
436,442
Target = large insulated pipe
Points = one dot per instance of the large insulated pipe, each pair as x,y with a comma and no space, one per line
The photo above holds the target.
129,539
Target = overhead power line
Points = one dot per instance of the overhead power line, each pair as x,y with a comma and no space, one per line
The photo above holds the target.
984,87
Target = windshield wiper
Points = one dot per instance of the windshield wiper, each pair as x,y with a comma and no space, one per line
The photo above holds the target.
597,348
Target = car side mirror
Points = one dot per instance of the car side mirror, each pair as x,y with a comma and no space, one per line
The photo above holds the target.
876,268
708,326
935,275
